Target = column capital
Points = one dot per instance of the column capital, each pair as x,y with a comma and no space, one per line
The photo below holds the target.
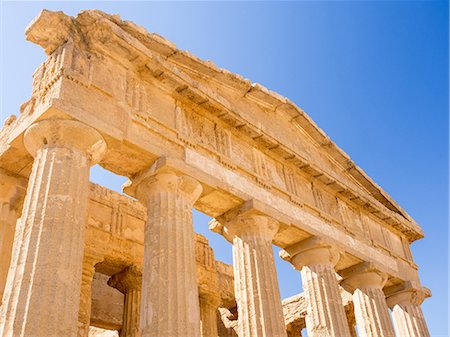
128,279
162,178
363,275
312,251
256,286
405,294
65,133
248,218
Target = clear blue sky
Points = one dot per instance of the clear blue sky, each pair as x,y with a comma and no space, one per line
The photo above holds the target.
373,75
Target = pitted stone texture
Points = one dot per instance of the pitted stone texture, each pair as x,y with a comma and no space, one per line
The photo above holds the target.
294,311
84,312
208,287
64,133
407,314
325,310
208,314
371,310
153,100
169,256
409,321
372,316
116,230
107,304
129,282
255,280
45,294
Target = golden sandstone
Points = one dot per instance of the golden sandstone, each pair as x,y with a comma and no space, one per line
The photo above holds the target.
76,257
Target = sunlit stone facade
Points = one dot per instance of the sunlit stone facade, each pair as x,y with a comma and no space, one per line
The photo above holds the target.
77,258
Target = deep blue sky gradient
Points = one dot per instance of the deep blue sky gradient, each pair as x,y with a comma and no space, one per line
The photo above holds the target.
373,75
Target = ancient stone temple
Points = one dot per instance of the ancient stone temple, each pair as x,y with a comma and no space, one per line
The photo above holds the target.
76,257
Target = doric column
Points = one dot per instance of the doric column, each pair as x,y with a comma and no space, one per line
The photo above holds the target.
255,280
129,283
45,294
371,311
405,301
84,313
325,310
170,305
209,303
11,190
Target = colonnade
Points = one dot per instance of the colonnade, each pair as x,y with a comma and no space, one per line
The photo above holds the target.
47,269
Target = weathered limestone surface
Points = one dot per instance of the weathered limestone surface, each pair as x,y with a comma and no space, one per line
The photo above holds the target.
169,254
239,140
209,305
294,311
84,311
255,279
208,285
129,282
325,310
115,239
371,310
132,214
407,315
107,304
45,294
187,134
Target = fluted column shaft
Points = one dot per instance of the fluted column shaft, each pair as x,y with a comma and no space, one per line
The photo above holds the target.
256,289
371,310
208,315
407,314
84,312
170,305
131,313
129,282
325,310
409,321
45,294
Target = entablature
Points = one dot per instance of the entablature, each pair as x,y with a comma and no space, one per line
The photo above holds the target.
214,108
150,105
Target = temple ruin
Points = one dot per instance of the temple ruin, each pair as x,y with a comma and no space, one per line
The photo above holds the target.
76,256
